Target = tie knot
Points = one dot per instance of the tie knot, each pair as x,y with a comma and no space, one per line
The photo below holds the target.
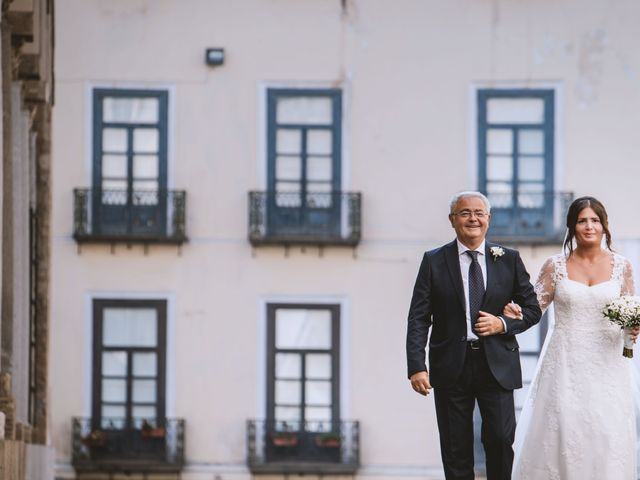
473,254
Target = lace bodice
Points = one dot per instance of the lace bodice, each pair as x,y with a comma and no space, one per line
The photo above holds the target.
554,271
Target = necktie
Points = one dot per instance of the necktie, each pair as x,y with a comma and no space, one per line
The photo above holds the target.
476,287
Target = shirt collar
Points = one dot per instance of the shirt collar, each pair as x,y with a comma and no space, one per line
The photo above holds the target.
462,248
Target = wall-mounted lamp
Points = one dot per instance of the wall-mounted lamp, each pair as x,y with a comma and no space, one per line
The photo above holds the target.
214,56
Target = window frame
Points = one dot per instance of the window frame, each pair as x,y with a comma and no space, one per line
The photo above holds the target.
271,352
161,351
335,95
312,207
99,94
547,127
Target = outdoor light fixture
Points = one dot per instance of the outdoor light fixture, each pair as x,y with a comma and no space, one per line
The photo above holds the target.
214,56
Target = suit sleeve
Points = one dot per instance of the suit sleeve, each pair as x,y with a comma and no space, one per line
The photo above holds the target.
525,296
419,320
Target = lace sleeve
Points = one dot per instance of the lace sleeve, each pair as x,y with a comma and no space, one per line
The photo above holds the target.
628,287
545,286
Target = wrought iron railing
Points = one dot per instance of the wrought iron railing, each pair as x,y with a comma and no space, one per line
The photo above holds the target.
148,448
529,217
318,218
307,447
148,216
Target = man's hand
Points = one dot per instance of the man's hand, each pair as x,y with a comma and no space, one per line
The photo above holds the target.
488,324
420,383
512,310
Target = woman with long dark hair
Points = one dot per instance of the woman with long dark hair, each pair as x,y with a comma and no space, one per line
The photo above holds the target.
578,421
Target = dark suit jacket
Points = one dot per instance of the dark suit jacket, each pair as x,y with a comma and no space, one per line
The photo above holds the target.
438,301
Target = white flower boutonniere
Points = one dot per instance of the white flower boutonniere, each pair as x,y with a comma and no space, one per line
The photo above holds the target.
497,252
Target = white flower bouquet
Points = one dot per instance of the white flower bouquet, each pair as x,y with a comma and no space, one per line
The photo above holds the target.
624,311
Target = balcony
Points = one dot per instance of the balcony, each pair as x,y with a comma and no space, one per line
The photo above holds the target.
529,218
293,218
318,448
130,216
149,449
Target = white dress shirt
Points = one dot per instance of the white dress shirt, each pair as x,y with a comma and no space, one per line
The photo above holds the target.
465,263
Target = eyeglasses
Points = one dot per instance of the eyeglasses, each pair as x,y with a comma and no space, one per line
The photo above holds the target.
480,214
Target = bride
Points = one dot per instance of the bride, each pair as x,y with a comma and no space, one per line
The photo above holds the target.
578,421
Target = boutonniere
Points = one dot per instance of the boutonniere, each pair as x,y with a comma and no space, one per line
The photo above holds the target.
496,252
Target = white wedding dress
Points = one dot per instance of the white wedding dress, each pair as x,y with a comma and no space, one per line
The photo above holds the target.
578,422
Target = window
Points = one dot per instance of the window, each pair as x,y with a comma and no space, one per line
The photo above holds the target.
304,165
129,160
303,366
516,164
129,364
303,431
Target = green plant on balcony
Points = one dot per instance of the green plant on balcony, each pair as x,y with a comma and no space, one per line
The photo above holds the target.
284,439
149,431
95,438
329,440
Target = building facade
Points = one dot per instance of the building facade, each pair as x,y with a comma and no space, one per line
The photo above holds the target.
242,194
26,57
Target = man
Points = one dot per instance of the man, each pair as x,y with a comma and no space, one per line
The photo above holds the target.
460,290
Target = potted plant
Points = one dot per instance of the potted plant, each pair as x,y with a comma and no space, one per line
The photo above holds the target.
95,438
149,431
329,440
284,439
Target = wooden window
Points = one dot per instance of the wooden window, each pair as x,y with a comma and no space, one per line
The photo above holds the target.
129,160
304,159
516,162
129,363
303,366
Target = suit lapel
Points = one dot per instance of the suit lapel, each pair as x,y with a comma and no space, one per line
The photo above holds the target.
491,273
453,264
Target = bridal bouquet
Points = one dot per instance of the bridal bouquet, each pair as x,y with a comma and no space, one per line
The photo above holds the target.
624,311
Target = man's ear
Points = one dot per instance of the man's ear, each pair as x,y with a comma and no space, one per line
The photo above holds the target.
451,220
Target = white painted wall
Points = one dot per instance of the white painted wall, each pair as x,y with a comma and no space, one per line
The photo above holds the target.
406,68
